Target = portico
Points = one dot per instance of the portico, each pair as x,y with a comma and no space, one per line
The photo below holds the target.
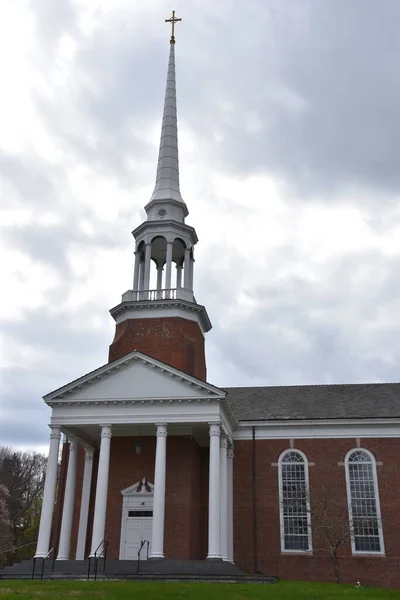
103,416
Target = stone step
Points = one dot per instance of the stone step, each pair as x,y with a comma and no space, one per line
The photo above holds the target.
167,570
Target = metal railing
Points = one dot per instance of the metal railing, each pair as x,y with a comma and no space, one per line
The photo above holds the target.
43,559
96,557
139,552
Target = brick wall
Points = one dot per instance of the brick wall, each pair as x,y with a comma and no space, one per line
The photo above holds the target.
175,341
326,454
182,538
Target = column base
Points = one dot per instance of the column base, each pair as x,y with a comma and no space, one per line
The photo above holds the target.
214,558
156,557
40,555
62,558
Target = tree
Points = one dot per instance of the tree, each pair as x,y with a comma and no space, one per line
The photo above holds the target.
329,517
331,526
5,525
23,474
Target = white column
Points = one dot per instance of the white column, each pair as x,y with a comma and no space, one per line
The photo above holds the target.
64,545
49,491
83,516
168,267
186,270
157,539
100,506
136,272
230,503
147,261
214,548
191,271
141,275
224,497
159,282
178,276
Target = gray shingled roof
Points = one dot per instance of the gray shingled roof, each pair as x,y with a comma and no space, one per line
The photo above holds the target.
351,401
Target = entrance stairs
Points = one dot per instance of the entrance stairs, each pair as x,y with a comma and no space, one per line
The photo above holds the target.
154,570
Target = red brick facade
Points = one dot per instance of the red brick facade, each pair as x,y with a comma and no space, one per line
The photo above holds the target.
326,456
187,504
175,341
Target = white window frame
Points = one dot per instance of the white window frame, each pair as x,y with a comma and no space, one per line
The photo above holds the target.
282,521
377,501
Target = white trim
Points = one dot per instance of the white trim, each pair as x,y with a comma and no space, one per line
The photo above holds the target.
378,506
160,310
334,429
281,517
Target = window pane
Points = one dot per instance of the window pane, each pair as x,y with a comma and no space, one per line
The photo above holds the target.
363,503
294,502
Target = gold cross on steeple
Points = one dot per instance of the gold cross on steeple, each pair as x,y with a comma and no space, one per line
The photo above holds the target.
173,20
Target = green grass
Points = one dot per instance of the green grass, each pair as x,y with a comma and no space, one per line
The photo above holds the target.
125,590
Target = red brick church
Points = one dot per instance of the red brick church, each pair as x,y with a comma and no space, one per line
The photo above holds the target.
153,452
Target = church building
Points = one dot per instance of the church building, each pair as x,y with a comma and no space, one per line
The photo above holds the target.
158,460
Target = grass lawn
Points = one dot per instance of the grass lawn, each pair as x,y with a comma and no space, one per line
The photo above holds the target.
125,590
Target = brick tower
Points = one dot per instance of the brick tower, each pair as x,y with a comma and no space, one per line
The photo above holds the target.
160,316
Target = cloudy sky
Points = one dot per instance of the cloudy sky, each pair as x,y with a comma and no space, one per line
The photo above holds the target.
289,136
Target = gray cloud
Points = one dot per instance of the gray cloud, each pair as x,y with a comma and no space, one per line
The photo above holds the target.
336,330
305,91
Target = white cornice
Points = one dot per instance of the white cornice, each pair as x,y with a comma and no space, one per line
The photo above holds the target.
137,309
317,422
334,429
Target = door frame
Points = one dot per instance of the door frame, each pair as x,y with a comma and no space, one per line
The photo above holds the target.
139,496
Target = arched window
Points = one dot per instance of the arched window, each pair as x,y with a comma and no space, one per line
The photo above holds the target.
363,499
294,502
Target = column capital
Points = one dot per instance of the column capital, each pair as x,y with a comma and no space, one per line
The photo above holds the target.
55,433
224,441
89,452
231,453
161,429
105,431
73,442
215,429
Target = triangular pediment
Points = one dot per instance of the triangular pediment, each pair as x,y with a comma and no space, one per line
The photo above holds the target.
135,377
142,487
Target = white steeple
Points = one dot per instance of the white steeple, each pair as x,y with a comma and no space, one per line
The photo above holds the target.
166,190
164,249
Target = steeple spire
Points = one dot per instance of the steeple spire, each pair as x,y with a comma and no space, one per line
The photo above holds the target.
167,179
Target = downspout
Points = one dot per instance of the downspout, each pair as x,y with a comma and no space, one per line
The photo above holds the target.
255,524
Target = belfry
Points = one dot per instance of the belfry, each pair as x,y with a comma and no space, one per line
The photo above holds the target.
162,468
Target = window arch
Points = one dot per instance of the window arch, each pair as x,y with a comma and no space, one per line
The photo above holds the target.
294,502
363,501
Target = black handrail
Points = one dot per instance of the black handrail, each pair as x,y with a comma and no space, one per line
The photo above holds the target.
97,555
140,550
43,559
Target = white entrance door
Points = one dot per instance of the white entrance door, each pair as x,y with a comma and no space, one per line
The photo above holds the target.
138,529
